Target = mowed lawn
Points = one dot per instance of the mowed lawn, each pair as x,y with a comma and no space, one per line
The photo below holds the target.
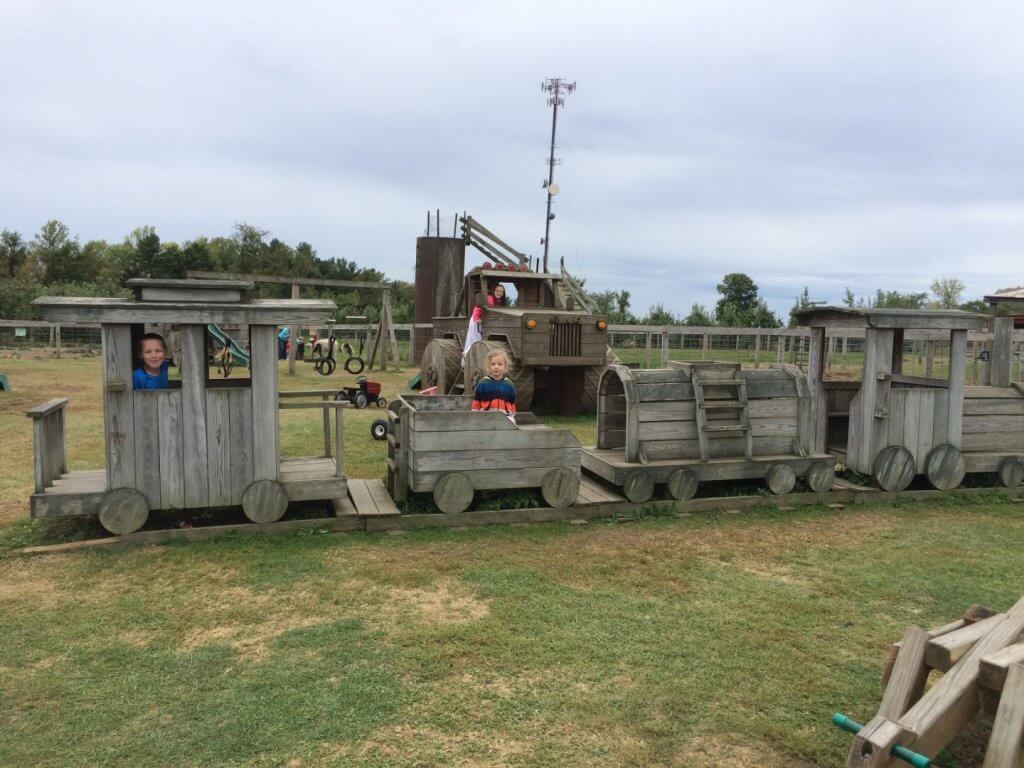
708,640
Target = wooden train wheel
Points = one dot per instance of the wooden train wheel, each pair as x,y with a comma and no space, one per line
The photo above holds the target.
945,467
264,501
123,510
682,484
821,476
442,360
894,468
638,486
522,376
1011,471
560,488
780,479
453,493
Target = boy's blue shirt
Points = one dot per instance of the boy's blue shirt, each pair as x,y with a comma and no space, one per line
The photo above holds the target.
142,380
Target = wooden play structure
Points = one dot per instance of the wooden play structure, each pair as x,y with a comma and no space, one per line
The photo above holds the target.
204,442
894,427
704,421
982,658
438,445
551,344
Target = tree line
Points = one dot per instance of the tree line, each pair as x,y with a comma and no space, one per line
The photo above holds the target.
55,262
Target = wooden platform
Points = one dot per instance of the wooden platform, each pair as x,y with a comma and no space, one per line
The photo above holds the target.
73,494
311,479
610,464
371,499
593,491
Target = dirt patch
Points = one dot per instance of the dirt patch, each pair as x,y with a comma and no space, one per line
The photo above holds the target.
20,586
771,572
251,642
415,745
710,752
444,603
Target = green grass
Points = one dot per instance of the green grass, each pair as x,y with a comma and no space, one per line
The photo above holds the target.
715,639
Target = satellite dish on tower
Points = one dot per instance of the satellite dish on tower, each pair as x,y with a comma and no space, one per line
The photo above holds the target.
553,189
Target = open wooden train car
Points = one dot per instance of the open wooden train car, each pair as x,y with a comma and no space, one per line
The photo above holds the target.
704,421
894,427
205,441
438,444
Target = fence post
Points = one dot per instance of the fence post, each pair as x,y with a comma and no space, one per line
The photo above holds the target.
664,347
704,347
57,333
647,353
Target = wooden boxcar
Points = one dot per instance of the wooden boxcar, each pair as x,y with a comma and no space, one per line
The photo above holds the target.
438,444
892,426
203,442
704,421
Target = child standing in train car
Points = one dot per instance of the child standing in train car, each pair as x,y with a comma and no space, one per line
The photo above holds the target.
495,391
152,374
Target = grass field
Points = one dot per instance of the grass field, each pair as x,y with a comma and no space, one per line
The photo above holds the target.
710,640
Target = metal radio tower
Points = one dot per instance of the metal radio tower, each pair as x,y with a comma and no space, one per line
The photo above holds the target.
556,89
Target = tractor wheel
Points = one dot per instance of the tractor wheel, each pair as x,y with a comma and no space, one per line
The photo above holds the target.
521,377
361,400
382,402
379,429
264,501
123,510
442,360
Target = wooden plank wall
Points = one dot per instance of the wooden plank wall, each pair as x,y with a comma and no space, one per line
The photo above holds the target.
868,434
193,419
918,420
993,420
118,406
266,449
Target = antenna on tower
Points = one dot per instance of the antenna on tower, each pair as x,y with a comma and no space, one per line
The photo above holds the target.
557,89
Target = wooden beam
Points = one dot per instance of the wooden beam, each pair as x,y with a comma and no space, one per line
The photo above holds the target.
285,280
293,336
1006,746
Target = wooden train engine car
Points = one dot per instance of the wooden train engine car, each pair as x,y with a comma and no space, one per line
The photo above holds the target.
704,421
437,444
894,427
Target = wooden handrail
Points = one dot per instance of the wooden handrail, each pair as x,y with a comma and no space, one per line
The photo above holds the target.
326,405
46,408
49,450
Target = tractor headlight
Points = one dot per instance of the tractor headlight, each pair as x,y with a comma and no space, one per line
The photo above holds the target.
531,324
602,325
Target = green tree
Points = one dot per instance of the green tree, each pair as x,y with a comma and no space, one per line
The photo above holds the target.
848,298
897,300
699,316
803,301
252,247
13,253
57,254
658,315
947,291
739,299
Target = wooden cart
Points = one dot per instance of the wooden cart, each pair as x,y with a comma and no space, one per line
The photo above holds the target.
204,442
704,421
438,444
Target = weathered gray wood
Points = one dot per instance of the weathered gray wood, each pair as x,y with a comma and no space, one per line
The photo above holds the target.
264,501
457,422
664,347
816,387
193,416
67,309
476,440
171,450
379,494
993,668
908,677
682,484
945,467
1009,406
1006,746
821,476
947,649
780,479
1011,471
192,296
875,391
453,493
560,488
894,468
1002,351
638,486
40,454
218,441
339,442
123,511
718,448
147,445
241,440
429,461
263,368
957,379
118,406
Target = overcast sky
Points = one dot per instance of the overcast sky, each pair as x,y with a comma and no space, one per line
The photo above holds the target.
868,144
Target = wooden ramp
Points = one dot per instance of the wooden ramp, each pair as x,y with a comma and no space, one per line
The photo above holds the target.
593,491
370,499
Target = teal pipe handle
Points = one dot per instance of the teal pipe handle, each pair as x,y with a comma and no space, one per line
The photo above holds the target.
918,761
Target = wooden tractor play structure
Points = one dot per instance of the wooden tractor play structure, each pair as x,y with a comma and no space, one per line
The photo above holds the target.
557,345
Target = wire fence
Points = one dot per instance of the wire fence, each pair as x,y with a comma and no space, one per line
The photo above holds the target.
644,346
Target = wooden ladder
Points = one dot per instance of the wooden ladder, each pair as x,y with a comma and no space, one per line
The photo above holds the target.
721,428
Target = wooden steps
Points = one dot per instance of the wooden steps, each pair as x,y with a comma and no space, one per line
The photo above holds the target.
727,393
371,499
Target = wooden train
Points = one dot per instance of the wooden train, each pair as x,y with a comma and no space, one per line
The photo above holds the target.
210,442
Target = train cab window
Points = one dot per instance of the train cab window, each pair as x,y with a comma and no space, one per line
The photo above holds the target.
227,356
156,353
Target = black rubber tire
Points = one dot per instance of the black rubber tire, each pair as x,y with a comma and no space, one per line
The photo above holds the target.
354,365
382,402
361,400
341,397
379,429
326,366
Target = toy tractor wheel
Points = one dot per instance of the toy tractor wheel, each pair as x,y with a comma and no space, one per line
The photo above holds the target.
123,510
442,360
453,493
521,376
342,396
821,476
382,402
361,400
560,487
682,484
264,501
638,486
945,467
379,429
781,479
1011,471
354,365
894,468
